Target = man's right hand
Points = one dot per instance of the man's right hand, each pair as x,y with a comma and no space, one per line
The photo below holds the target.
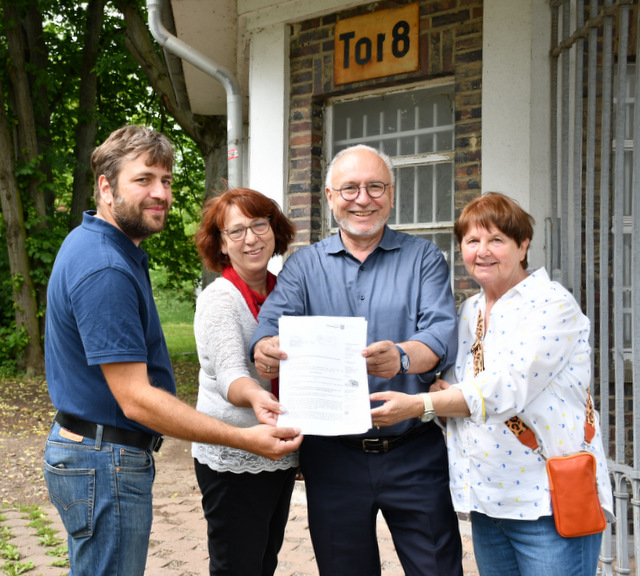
267,356
270,442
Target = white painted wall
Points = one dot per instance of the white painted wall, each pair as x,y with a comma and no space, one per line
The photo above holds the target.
268,136
263,13
515,114
515,108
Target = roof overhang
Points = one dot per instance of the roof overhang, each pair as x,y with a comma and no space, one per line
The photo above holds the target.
211,27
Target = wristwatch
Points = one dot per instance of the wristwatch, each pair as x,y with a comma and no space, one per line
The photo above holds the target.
404,360
429,413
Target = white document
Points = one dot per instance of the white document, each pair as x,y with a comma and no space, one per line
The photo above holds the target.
323,383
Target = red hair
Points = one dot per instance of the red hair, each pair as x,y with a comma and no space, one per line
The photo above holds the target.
252,204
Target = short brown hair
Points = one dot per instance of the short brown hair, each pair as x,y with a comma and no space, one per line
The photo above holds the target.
495,209
252,204
125,144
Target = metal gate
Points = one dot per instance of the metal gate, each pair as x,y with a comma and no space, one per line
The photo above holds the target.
592,239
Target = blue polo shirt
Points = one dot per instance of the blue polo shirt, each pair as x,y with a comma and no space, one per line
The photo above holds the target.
402,289
100,310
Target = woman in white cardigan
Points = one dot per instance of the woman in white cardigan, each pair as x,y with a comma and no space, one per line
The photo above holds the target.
245,497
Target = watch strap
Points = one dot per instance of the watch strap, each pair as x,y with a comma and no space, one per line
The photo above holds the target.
404,358
429,413
426,400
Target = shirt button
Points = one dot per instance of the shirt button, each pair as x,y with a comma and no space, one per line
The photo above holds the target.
361,297
362,268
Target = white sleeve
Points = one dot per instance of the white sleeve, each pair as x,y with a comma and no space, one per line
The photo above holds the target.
222,324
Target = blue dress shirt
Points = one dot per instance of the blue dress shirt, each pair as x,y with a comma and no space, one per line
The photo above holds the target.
402,289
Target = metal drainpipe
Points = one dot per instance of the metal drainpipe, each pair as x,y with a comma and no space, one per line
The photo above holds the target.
220,73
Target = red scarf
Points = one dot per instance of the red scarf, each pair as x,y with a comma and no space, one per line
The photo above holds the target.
253,300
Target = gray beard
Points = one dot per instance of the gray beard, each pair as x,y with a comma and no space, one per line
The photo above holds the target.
346,226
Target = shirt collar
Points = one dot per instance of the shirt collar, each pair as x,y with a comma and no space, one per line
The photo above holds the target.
91,222
530,284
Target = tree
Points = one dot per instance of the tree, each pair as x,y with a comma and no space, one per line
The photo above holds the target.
74,73
87,124
208,132
15,234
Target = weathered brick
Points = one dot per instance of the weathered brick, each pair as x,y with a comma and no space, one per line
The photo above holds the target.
445,20
450,45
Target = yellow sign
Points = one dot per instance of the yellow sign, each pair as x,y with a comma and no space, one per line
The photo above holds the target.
377,44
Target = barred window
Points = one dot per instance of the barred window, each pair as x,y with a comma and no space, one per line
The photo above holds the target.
415,128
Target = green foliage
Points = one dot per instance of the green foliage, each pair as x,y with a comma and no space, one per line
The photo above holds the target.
12,343
173,251
10,552
176,315
124,96
11,556
16,568
6,294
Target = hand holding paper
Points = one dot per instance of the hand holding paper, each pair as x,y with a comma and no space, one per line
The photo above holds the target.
323,381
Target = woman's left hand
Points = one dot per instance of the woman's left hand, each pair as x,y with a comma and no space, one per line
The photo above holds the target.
396,407
266,408
439,385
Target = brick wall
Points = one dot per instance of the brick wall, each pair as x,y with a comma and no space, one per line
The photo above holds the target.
450,46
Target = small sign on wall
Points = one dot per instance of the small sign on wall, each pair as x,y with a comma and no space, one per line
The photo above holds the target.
378,44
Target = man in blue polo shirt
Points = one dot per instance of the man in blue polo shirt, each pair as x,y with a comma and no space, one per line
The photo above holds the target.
401,285
108,369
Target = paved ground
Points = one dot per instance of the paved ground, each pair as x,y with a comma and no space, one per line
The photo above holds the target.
179,542
178,538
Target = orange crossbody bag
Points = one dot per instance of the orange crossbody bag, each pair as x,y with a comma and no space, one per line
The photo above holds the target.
572,479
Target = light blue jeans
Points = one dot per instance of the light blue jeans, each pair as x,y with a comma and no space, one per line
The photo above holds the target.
505,547
103,494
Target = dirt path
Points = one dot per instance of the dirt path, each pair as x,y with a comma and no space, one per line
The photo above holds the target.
26,414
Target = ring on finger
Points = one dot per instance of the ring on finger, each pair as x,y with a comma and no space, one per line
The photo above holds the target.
268,368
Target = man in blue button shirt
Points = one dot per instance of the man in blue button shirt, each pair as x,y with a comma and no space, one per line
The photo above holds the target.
108,369
401,285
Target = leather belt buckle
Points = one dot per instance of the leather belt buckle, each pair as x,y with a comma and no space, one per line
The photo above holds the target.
374,445
157,444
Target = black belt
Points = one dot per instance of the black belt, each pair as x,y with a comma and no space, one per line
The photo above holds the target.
140,440
384,444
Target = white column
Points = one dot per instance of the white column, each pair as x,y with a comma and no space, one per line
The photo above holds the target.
516,108
268,115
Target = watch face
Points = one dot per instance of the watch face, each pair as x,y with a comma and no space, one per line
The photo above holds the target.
405,362
428,416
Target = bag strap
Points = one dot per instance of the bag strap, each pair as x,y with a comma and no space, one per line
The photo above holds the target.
515,424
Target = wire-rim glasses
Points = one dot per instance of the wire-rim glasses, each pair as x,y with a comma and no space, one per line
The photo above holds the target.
258,227
350,192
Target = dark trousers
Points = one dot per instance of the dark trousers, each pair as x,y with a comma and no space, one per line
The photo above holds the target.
246,516
346,488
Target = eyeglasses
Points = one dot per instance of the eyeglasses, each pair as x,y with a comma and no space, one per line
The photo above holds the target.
350,192
258,227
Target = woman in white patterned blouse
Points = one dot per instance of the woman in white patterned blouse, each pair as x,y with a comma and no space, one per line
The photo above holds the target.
532,360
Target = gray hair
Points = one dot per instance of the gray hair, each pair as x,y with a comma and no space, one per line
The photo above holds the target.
355,148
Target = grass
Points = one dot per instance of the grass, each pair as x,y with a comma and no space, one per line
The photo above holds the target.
177,325
12,563
176,310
